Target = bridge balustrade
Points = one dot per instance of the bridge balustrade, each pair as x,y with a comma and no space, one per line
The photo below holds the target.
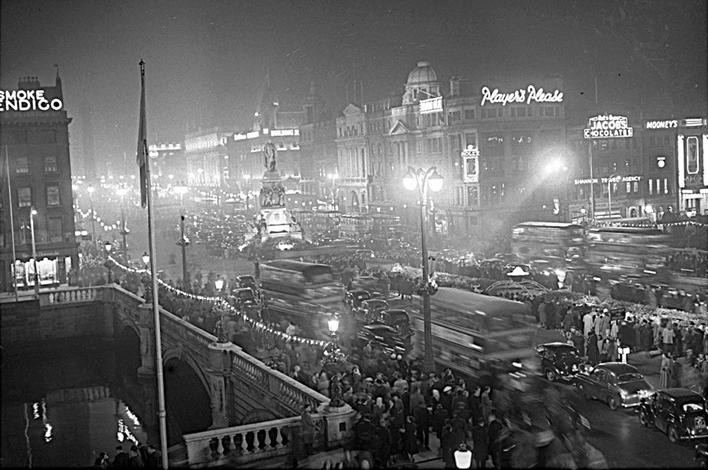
237,444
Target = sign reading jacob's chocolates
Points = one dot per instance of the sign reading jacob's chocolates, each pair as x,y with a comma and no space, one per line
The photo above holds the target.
608,126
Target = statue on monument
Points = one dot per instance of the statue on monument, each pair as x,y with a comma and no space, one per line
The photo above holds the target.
270,155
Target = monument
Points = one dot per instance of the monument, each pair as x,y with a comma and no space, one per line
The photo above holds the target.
274,220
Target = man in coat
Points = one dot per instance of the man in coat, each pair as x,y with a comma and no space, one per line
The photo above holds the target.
308,427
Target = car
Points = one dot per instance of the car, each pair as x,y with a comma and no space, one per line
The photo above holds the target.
246,280
371,308
383,336
397,318
678,412
616,383
245,296
355,297
559,361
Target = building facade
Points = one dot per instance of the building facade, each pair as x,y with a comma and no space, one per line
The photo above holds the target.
692,165
34,135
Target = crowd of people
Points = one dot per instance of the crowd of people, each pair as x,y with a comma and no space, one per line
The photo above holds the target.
138,456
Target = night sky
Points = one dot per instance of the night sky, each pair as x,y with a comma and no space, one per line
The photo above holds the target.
206,60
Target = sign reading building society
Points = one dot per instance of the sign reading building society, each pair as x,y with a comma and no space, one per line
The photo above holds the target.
526,95
28,100
607,126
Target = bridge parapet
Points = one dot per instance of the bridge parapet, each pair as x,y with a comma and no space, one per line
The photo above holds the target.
68,295
239,446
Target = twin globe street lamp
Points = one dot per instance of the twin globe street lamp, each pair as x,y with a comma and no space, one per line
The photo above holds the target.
422,181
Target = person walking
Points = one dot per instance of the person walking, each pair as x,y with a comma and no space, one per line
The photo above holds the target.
495,430
664,370
121,459
480,440
422,419
667,339
593,351
308,428
410,440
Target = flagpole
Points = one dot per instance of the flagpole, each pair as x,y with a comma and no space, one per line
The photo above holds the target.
147,187
12,225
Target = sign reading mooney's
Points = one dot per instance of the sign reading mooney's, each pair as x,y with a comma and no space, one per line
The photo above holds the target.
28,100
667,124
608,126
526,95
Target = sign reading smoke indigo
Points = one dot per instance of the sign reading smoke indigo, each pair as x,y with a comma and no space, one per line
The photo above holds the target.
28,100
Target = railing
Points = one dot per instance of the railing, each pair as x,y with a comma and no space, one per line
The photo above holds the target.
63,295
240,445
288,390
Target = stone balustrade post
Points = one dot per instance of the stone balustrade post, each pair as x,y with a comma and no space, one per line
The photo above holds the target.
146,324
219,376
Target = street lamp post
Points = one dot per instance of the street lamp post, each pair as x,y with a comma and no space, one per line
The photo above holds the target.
33,212
247,187
611,179
90,190
220,334
108,247
183,243
422,180
123,229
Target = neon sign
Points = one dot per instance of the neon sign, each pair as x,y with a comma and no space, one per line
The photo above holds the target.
608,126
669,124
28,100
526,95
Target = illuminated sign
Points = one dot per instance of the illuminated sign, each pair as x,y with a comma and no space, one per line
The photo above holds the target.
470,157
670,124
693,122
625,179
28,100
608,126
526,95
432,105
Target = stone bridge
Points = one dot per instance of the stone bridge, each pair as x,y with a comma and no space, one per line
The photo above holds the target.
255,409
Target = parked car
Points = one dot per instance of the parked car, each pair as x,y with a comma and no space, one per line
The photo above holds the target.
245,296
383,336
355,297
370,309
559,361
616,383
678,412
397,318
628,291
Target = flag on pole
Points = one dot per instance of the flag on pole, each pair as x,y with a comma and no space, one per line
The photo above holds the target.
142,155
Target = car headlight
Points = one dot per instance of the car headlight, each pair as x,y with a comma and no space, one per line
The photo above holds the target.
623,393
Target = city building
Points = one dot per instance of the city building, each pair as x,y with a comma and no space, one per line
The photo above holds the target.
692,164
34,135
168,161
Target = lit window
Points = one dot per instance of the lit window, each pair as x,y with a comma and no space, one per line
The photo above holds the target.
53,199
692,155
24,197
22,166
50,164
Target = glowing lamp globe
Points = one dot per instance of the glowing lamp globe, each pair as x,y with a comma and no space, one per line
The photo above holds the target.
333,324
435,182
410,182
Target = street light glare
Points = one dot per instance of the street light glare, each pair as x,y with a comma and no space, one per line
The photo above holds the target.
410,182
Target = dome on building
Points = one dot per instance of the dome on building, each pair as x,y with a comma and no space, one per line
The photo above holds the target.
423,73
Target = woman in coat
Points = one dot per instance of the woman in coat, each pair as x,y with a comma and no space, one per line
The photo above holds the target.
664,370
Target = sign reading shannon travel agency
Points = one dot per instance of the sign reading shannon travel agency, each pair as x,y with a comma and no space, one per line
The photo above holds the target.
526,95
608,126
28,100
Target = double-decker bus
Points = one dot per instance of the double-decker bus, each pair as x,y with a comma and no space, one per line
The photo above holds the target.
560,244
305,293
616,251
472,329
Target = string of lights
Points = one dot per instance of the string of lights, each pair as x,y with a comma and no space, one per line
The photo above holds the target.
222,303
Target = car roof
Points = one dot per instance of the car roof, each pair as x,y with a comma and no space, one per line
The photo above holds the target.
680,393
376,302
618,368
557,345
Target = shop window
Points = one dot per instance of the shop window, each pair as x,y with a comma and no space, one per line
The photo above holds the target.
24,197
472,196
22,166
53,199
